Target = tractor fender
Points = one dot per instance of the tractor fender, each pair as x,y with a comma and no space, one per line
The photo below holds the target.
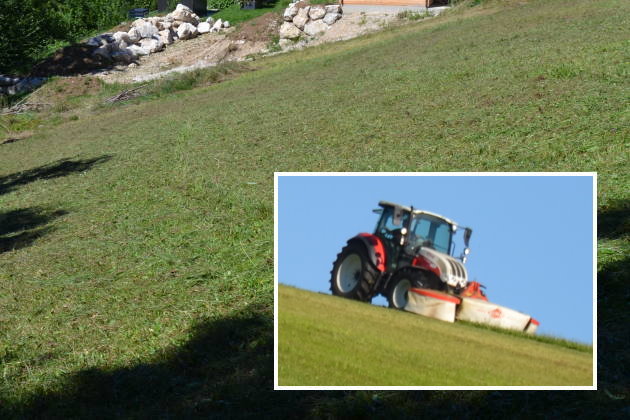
374,247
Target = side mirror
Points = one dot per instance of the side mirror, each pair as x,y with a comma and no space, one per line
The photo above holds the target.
467,235
398,215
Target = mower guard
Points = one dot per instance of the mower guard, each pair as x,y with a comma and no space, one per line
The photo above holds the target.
432,303
450,308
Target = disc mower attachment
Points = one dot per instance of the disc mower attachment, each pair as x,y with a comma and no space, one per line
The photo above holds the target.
477,310
432,303
449,308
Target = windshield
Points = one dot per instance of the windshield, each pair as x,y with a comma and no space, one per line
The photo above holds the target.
432,232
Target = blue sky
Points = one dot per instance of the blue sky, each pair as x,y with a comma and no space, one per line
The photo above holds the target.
532,242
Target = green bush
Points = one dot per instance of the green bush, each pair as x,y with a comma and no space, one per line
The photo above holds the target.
21,36
30,27
221,4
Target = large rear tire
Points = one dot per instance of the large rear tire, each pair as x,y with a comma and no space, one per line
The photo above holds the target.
353,275
405,279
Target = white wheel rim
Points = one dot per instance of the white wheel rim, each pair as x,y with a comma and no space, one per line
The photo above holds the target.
399,296
349,273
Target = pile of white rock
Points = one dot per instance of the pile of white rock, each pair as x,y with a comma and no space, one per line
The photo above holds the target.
149,35
300,20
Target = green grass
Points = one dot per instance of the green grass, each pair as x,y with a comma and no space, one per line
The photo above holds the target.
234,14
146,229
412,15
543,338
329,341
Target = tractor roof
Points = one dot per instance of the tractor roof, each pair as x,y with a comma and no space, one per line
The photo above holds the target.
417,211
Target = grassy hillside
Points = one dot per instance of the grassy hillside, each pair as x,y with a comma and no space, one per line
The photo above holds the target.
136,240
325,340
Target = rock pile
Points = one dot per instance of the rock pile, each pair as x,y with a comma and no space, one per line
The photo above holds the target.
15,85
150,35
301,19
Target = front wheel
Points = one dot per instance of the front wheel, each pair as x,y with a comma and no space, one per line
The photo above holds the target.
353,276
405,279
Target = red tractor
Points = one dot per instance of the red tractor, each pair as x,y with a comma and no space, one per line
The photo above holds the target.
409,248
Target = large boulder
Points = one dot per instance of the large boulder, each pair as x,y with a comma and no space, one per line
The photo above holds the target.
290,12
315,27
164,25
138,50
289,31
183,7
331,18
203,27
134,35
217,26
147,30
186,31
301,18
138,22
125,56
333,8
100,40
155,21
103,52
316,12
185,15
152,44
166,36
122,36
226,24
122,40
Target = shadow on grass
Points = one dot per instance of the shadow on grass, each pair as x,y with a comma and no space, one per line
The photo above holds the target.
225,370
613,220
20,228
56,169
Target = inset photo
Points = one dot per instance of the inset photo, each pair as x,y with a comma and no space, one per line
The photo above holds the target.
435,281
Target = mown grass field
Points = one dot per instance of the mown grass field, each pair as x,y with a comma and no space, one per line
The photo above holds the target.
329,341
136,262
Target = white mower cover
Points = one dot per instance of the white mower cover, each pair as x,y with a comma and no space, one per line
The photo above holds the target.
477,310
432,303
532,326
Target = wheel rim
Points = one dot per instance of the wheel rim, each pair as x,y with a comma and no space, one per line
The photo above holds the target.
349,273
399,295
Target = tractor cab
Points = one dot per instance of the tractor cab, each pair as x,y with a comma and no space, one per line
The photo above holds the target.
406,231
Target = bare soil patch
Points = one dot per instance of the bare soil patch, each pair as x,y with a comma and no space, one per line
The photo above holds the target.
264,28
64,88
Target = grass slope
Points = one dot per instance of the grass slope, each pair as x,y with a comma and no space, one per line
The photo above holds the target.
136,240
325,340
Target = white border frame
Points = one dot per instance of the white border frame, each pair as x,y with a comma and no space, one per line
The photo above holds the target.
277,387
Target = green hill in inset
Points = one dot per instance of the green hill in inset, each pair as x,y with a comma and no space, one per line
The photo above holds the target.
329,341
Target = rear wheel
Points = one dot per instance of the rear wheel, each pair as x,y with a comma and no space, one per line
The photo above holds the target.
405,279
353,276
